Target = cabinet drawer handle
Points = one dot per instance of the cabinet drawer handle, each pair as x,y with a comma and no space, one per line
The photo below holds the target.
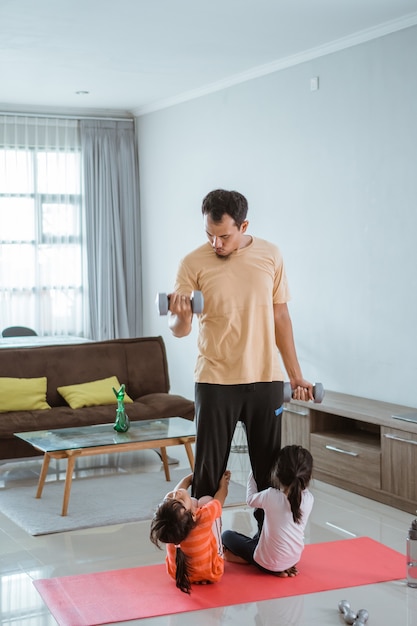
412,441
334,449
303,413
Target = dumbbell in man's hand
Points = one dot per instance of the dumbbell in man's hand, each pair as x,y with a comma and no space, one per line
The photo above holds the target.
318,392
197,302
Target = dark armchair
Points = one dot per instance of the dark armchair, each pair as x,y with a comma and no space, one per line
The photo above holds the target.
18,331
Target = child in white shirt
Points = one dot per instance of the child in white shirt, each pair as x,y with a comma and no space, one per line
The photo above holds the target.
287,505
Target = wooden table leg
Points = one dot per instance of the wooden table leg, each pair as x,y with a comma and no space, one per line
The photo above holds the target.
43,474
68,481
165,462
190,454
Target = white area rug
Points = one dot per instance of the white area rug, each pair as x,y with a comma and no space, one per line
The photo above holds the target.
98,501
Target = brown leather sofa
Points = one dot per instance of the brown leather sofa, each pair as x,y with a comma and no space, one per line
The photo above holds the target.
140,364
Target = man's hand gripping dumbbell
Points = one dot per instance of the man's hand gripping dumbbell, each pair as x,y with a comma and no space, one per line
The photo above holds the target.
196,300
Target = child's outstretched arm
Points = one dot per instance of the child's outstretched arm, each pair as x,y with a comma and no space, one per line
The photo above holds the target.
223,488
184,482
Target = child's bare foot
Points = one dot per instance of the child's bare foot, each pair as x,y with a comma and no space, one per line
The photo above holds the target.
203,582
233,558
290,572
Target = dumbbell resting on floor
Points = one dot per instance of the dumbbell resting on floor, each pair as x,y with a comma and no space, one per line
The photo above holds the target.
318,392
197,302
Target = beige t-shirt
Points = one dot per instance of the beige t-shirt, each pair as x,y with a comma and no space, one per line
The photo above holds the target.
236,338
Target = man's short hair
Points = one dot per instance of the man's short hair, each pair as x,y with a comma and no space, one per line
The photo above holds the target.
219,201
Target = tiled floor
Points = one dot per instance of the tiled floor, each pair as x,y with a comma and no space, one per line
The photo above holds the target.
336,515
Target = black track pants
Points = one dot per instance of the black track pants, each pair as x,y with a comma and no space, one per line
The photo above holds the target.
218,409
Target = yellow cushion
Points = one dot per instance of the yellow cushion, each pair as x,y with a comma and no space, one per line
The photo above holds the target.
23,394
95,393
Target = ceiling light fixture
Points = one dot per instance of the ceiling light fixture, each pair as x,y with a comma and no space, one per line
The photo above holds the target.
82,93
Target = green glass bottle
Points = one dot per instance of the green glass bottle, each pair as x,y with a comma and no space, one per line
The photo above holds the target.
122,422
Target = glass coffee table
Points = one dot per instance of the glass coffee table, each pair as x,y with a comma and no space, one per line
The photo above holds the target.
71,443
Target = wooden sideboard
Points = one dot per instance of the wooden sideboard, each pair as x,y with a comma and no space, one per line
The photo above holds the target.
358,445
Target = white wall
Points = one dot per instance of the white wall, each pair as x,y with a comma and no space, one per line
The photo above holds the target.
331,177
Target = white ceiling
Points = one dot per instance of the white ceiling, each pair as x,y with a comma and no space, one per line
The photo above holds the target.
133,56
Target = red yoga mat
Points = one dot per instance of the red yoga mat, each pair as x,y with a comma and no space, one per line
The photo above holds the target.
136,593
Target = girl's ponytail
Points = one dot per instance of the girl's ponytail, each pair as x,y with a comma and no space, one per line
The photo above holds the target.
181,574
294,495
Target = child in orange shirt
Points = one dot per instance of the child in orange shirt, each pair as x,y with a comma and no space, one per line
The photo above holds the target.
191,530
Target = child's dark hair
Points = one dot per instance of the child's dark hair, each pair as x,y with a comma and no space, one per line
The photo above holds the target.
293,469
172,523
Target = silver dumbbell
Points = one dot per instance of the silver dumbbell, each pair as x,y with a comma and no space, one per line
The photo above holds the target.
350,616
361,616
197,302
318,392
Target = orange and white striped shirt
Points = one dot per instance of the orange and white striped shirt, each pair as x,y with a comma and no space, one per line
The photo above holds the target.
205,560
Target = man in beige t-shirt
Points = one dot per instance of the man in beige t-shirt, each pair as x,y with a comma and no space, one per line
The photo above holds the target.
245,322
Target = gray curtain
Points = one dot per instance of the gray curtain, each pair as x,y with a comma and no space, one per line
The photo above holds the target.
111,178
